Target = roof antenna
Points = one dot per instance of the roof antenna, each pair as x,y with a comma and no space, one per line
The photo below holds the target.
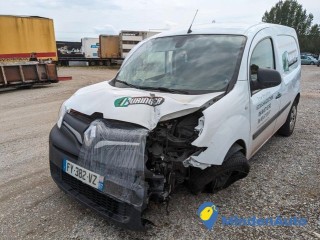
189,30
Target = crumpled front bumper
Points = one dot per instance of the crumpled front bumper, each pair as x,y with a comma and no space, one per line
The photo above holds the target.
118,212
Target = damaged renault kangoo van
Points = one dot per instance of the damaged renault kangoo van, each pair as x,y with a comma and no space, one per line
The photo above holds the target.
186,107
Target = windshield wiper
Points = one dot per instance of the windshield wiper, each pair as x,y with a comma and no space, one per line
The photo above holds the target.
128,84
164,89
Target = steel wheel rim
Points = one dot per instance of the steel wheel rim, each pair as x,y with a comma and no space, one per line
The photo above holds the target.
293,117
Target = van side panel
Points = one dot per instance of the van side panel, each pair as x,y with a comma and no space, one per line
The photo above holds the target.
284,39
225,122
289,66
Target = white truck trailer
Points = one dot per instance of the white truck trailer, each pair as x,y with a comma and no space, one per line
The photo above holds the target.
107,49
90,47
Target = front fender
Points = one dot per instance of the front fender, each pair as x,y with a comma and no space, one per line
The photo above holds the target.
232,130
225,122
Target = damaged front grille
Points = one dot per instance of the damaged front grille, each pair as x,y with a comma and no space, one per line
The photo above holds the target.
116,152
137,164
110,206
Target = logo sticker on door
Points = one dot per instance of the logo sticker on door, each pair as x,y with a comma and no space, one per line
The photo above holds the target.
285,61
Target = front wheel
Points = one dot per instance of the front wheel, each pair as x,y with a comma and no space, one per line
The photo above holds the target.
216,178
288,127
312,63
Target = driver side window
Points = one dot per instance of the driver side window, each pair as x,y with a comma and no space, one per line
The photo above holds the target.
262,57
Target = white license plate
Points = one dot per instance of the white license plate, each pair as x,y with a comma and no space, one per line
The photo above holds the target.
84,175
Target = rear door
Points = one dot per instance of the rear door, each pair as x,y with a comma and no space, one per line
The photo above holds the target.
264,103
290,69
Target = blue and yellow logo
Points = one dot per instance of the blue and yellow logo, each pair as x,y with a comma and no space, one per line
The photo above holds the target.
208,213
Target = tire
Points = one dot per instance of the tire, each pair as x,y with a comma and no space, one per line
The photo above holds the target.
108,63
312,63
92,63
288,127
216,178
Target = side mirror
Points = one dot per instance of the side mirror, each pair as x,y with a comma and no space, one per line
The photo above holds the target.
266,78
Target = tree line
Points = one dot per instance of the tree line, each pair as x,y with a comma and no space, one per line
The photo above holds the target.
291,13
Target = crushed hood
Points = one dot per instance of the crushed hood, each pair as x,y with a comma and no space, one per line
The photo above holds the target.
142,107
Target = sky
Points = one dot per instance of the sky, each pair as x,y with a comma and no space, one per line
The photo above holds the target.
75,19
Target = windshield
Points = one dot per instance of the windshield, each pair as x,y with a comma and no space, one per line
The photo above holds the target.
193,63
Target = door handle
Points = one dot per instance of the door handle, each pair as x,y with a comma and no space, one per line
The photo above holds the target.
278,95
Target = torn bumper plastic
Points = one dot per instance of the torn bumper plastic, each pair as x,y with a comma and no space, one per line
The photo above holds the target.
123,207
116,151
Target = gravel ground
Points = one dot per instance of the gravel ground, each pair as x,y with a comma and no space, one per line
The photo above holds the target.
284,178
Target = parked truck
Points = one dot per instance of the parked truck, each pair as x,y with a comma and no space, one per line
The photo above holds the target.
20,36
90,52
107,49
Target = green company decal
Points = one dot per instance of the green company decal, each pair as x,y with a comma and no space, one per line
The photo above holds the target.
121,102
285,61
126,101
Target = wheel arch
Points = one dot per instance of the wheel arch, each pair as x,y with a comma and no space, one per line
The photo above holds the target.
238,146
242,144
297,98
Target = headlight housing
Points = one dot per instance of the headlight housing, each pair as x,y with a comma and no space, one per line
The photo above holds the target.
200,126
62,112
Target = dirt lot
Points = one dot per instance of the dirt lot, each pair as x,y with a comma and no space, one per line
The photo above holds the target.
284,178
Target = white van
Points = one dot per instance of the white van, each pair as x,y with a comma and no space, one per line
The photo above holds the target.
184,108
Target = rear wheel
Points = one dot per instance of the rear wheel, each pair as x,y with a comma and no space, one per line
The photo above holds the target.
312,63
108,63
216,178
288,127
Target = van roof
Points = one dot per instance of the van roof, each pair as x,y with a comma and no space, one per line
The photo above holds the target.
230,28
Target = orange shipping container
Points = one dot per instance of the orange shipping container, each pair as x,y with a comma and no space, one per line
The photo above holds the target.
109,46
20,36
